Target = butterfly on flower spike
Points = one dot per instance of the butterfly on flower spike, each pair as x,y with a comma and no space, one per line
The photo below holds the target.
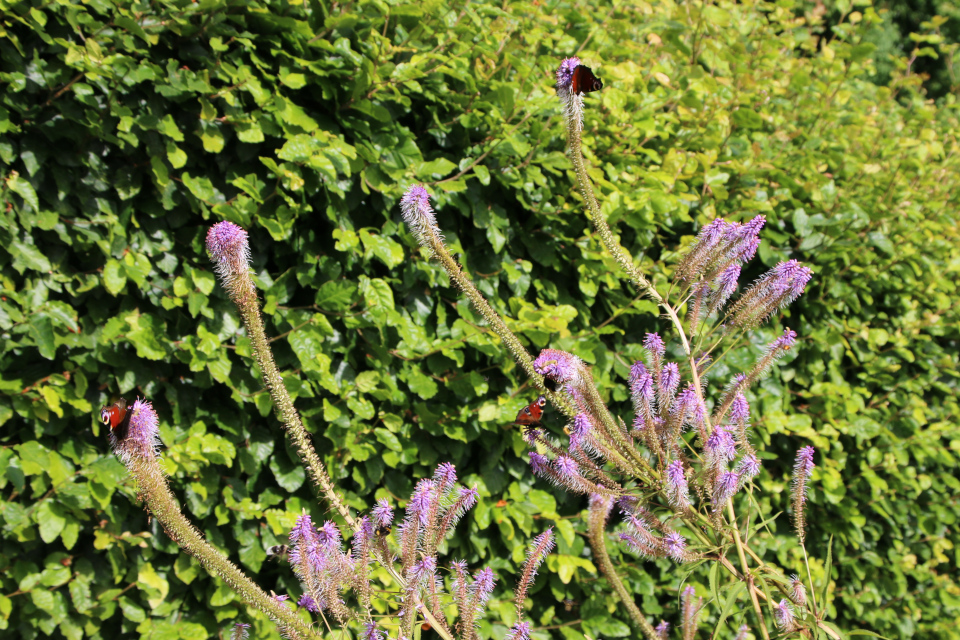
529,416
117,417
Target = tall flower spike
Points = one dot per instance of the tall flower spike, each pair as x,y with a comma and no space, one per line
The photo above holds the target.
801,474
540,547
678,491
772,291
726,485
418,214
230,251
142,440
690,612
240,631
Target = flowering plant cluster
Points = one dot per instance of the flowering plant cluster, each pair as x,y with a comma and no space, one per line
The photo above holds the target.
672,472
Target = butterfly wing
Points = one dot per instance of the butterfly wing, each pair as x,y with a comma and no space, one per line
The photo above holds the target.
531,414
117,417
584,81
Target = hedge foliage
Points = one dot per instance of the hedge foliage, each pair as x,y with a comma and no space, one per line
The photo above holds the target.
127,128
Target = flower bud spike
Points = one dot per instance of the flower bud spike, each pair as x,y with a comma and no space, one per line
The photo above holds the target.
802,470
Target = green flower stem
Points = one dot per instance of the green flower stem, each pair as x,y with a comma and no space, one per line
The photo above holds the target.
735,532
250,312
163,505
598,544
600,223
513,344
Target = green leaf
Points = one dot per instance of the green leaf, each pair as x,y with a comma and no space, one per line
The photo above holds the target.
24,189
114,277
50,520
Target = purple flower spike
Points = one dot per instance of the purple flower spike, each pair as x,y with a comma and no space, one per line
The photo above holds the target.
520,631
421,502
142,437
228,246
558,366
240,631
539,463
748,468
565,72
371,632
675,546
637,371
783,614
303,530
739,410
798,592
677,488
653,343
727,485
784,342
772,291
567,467
307,602
804,464
663,630
669,382
383,513
415,205
721,445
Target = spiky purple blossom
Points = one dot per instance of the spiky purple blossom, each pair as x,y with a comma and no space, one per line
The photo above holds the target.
783,614
772,291
520,631
678,490
669,382
798,592
739,410
422,501
229,250
568,468
565,72
539,463
240,631
726,485
676,546
802,469
142,439
724,286
382,513
417,212
663,629
748,468
371,632
307,602
653,343
721,445
558,366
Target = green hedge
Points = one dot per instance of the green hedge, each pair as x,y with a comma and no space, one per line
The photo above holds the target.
126,129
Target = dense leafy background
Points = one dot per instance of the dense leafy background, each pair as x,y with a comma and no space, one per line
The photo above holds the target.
127,128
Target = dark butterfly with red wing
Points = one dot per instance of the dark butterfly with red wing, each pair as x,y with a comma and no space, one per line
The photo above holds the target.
583,80
530,415
117,417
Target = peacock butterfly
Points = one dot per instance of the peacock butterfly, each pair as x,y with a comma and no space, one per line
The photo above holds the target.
530,415
583,80
117,417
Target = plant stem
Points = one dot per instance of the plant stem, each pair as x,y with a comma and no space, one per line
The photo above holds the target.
250,312
598,544
164,506
746,569
813,594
